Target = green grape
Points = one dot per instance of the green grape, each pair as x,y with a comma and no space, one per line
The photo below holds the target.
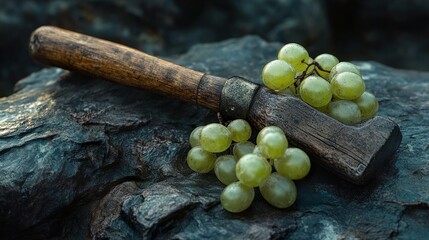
310,67
326,62
295,55
343,67
278,75
257,152
347,86
215,138
199,160
224,169
240,130
344,111
242,148
294,164
279,191
368,105
252,170
237,197
288,91
315,91
194,138
323,109
266,130
272,145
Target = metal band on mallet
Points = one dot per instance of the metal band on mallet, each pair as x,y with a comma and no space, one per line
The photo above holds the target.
236,98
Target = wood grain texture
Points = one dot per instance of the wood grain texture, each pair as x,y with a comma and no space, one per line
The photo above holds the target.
118,63
353,152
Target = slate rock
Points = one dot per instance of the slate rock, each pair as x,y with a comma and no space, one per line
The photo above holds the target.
163,27
85,158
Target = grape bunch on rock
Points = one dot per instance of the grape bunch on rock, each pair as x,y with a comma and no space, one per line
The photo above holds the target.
270,165
333,87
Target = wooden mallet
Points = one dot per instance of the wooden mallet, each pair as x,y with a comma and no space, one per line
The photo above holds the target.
352,152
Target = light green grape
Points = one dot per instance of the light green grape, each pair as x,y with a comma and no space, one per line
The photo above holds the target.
343,67
295,55
215,138
266,130
347,86
240,130
315,91
279,191
237,197
323,109
294,164
194,138
310,67
368,105
257,152
278,75
242,148
326,62
224,169
252,170
272,145
199,160
344,111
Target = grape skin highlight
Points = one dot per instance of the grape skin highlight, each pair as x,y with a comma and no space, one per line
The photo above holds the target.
215,138
326,62
343,67
347,86
252,170
315,91
272,145
240,130
266,130
368,105
294,164
277,75
295,55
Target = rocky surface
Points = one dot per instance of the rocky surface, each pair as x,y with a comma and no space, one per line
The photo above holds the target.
156,26
86,158
393,32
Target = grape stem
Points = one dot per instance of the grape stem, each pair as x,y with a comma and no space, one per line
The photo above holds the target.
301,77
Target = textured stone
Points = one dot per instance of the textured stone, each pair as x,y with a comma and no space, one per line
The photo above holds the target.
156,26
82,157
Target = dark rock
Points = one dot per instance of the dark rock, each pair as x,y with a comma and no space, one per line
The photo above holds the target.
85,158
156,26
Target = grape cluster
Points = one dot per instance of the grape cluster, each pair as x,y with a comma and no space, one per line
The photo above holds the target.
333,87
248,165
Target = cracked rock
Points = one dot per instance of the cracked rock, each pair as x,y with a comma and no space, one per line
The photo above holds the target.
85,158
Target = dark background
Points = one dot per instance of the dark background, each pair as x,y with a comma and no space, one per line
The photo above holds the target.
393,32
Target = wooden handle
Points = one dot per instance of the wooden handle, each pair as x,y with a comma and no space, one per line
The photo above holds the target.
118,63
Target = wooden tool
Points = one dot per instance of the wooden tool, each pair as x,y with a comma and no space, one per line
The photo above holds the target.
352,152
